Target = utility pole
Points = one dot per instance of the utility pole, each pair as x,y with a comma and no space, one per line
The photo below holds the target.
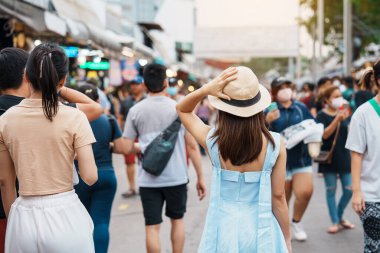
320,35
347,35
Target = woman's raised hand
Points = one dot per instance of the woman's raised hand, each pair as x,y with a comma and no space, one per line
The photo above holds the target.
216,86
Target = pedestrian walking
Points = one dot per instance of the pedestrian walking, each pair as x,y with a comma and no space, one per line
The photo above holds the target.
317,103
155,117
136,95
98,198
48,216
363,140
299,173
15,88
248,210
335,118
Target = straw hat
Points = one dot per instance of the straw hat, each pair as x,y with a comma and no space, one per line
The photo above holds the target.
248,96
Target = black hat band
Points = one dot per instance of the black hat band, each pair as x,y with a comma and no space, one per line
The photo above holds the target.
243,103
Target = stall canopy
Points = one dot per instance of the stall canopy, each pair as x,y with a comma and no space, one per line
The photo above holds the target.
34,17
90,15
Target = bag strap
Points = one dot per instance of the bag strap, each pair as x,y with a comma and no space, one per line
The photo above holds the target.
375,105
334,142
112,123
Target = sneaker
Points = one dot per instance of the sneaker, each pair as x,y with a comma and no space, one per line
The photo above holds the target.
298,232
129,194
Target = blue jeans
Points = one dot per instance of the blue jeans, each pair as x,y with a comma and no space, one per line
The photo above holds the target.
336,212
98,201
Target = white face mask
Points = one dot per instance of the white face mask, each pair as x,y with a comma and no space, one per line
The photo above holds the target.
336,83
338,102
284,95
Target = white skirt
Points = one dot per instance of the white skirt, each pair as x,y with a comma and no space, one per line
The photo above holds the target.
56,223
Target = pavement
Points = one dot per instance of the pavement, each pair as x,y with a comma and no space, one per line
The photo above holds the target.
127,223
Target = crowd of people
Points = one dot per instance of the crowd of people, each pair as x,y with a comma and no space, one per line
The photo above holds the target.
56,143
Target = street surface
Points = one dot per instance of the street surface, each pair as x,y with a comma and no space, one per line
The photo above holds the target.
127,222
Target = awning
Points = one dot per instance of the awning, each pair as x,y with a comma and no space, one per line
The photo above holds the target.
77,30
104,38
37,19
242,43
142,49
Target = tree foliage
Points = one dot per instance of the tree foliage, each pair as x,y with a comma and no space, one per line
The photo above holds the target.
365,20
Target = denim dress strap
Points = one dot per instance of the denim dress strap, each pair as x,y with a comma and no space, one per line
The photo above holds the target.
210,233
265,219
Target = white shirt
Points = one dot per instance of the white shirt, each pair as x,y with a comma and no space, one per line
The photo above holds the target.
364,138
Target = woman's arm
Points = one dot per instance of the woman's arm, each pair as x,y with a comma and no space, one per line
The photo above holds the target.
125,146
87,166
279,205
7,181
187,105
341,116
356,171
90,108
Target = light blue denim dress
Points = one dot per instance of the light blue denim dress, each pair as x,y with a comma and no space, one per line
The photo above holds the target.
240,217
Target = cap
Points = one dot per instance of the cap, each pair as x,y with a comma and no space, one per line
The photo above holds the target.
278,81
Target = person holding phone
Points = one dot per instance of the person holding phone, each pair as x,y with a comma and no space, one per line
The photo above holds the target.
363,140
335,118
299,178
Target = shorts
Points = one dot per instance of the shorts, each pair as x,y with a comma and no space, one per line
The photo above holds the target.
3,228
153,199
371,225
56,223
130,159
292,172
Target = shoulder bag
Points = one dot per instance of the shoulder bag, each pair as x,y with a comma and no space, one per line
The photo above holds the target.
158,153
325,157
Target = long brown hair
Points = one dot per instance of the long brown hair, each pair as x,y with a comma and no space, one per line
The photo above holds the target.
240,139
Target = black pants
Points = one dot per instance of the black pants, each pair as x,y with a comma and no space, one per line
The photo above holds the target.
153,199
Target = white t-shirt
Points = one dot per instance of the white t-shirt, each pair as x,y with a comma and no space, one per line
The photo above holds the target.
145,121
364,138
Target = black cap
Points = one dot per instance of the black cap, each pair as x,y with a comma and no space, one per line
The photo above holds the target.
278,81
90,90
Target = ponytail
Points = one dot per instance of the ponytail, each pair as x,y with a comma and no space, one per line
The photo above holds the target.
376,72
46,67
366,79
48,81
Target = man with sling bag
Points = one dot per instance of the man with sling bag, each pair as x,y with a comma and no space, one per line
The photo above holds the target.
148,121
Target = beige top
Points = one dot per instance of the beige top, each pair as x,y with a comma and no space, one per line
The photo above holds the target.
43,151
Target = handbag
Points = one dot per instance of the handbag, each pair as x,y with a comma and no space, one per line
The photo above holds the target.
158,153
325,157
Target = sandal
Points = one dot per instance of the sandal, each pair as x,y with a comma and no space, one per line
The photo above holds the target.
333,229
346,224
129,193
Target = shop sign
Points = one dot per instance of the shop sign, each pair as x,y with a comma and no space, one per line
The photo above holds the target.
71,52
103,65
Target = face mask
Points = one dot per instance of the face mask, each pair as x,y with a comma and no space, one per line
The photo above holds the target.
172,91
337,102
342,88
337,83
284,95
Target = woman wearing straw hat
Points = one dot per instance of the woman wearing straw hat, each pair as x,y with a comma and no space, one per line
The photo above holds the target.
248,210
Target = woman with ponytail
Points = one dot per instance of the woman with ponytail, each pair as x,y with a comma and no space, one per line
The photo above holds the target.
42,137
366,87
364,143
